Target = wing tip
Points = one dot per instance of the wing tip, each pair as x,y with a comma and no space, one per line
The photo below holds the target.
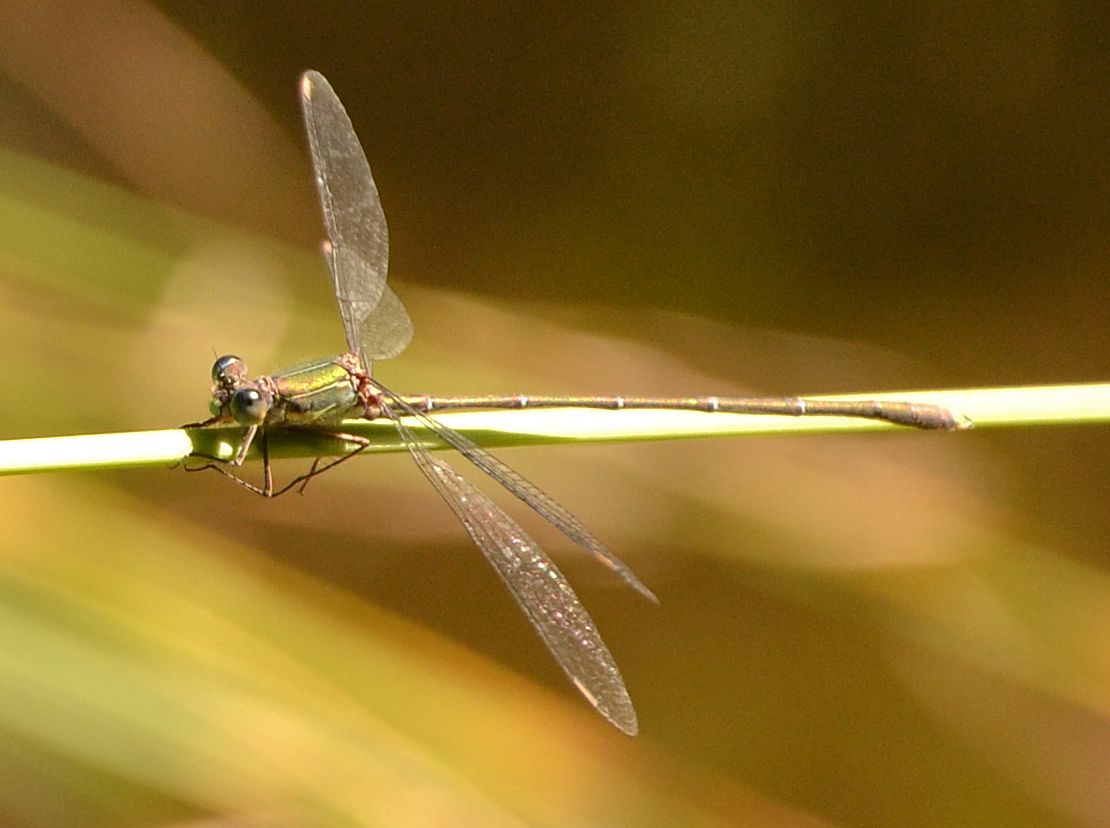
310,79
622,715
629,726
645,591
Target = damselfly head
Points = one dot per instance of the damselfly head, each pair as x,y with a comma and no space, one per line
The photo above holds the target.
234,396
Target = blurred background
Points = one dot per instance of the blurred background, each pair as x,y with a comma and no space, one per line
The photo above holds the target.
894,629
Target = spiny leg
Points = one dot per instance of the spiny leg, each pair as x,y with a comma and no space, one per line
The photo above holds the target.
299,482
221,467
267,471
302,480
312,472
245,444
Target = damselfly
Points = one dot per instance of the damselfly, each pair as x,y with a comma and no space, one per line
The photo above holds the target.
321,395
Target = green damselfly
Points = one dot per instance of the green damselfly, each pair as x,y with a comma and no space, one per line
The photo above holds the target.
320,395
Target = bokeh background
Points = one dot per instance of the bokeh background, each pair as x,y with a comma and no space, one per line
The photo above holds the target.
897,629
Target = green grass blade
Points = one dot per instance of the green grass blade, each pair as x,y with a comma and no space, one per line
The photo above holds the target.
985,407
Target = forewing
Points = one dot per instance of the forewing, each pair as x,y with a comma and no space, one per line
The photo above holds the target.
541,590
517,484
359,249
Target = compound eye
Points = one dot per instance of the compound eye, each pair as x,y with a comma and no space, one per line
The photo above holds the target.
249,406
229,370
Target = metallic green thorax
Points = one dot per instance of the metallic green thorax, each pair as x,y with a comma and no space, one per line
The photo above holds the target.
317,392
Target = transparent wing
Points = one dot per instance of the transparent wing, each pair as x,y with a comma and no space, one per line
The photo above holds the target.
540,589
359,249
387,330
546,506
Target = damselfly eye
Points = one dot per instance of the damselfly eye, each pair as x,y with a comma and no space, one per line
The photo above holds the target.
229,370
249,406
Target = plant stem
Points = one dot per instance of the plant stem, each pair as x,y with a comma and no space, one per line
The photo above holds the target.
985,407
